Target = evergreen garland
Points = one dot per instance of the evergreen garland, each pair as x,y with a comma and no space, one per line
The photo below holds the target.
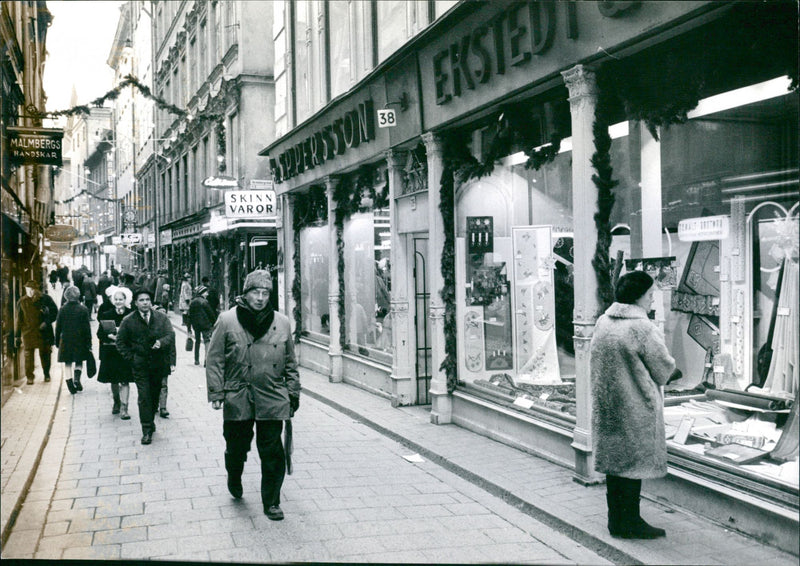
448,266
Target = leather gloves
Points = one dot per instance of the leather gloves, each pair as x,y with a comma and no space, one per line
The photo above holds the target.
294,402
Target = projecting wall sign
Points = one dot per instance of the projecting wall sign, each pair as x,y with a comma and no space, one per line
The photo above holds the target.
249,204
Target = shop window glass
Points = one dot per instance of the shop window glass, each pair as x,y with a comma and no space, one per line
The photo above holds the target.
514,282
314,257
340,62
726,262
367,246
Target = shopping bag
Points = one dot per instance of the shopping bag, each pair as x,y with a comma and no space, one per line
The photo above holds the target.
91,365
189,344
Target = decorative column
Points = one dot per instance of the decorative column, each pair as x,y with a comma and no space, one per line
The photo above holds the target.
582,87
403,338
441,400
335,347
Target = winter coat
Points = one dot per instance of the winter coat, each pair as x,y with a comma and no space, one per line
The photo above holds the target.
185,297
135,341
254,379
73,334
201,316
629,361
213,300
35,316
113,367
89,291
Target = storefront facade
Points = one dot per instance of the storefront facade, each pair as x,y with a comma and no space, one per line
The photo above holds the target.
461,258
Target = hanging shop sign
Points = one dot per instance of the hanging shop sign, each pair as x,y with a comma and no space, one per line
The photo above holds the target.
166,237
34,146
250,204
221,182
704,228
130,238
350,130
60,233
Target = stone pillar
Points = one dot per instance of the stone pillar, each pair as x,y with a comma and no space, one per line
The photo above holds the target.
335,348
404,391
441,400
582,99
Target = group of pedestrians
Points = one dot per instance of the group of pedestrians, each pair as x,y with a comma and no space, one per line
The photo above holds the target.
251,370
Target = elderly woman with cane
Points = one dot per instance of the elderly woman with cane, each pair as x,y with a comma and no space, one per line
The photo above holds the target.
629,364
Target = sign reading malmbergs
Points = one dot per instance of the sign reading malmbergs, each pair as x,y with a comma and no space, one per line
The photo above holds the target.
34,146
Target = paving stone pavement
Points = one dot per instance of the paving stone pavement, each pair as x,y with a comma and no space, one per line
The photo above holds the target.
353,497
99,494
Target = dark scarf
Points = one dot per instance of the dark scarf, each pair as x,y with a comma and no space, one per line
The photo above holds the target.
256,323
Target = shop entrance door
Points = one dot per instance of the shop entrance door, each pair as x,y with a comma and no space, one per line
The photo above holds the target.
422,324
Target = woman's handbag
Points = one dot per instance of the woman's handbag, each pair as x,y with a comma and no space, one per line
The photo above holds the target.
91,365
189,344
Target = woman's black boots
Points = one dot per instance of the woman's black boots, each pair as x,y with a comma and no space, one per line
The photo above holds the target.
77,380
71,387
115,394
624,520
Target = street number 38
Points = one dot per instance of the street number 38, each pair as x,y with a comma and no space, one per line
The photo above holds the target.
386,118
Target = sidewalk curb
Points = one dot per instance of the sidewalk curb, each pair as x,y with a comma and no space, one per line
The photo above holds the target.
599,546
38,443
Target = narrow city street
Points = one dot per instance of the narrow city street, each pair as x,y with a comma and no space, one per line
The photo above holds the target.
353,495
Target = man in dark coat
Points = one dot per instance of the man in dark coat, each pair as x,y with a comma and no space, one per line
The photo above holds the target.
251,369
63,275
147,341
77,278
201,318
89,293
213,296
36,314
103,284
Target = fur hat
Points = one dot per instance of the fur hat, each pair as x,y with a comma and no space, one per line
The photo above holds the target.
258,279
72,293
113,290
142,291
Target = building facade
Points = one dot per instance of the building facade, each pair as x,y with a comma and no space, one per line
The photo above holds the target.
27,193
458,250
212,62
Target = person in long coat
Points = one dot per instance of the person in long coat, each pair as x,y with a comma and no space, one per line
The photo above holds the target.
73,337
102,286
89,293
114,369
629,364
251,373
147,341
184,298
36,313
201,318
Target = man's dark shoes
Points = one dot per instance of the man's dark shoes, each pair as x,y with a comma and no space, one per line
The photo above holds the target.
147,438
163,413
235,485
274,513
46,378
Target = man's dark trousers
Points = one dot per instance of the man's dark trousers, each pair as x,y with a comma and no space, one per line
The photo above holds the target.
148,387
44,357
205,335
238,436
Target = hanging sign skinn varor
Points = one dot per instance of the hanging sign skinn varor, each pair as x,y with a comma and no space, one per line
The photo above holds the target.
250,204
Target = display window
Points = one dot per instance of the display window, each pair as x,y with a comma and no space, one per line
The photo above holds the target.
368,279
314,258
718,228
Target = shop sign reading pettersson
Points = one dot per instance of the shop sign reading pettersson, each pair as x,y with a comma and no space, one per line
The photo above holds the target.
34,146
249,204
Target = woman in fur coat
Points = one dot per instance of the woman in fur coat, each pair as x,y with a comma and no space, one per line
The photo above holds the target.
629,364
114,369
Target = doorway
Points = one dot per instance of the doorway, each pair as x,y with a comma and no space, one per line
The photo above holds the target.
422,323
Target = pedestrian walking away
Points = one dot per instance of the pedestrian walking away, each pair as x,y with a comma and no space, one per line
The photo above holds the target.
184,298
147,341
629,364
74,338
36,313
252,375
213,296
201,319
102,286
89,293
114,369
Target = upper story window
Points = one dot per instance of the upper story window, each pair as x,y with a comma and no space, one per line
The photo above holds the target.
341,46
